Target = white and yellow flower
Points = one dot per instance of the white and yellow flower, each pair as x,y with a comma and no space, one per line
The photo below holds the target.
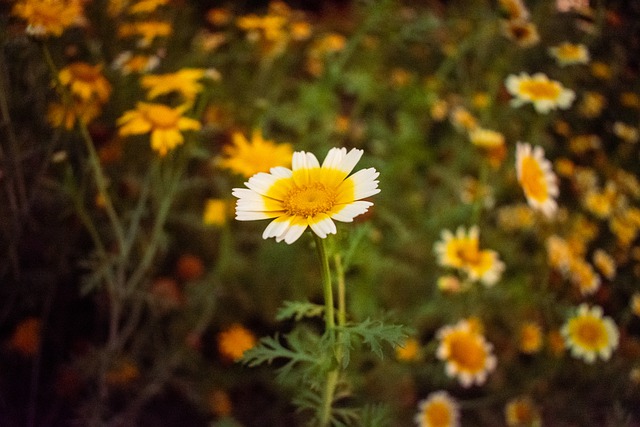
544,94
439,409
308,194
535,175
569,53
467,354
462,251
590,335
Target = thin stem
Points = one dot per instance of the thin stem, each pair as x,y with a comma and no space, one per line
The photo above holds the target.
329,316
333,375
94,160
342,304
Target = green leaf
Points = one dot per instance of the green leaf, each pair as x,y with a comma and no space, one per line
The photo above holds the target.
372,333
301,351
375,416
298,310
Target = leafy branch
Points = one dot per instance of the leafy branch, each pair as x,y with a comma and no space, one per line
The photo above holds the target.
299,310
372,333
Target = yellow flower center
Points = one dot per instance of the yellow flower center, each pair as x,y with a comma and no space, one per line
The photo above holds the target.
590,333
437,414
309,200
540,89
532,179
468,254
467,352
161,117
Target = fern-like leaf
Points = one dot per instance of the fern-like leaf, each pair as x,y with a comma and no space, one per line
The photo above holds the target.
298,310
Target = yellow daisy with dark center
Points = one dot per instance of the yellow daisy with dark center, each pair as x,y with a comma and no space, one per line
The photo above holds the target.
49,17
308,194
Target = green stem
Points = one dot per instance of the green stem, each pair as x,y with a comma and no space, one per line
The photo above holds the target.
329,316
342,304
94,160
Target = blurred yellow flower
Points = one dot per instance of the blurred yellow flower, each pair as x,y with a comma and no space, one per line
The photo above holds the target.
184,82
439,409
247,158
148,31
462,118
625,225
530,338
521,412
59,115
516,217
450,284
515,9
409,351
462,251
590,335
604,263
270,30
603,203
219,16
544,94
592,104
581,144
625,132
635,303
215,212
584,276
49,17
128,62
165,125
85,81
630,99
308,195
521,31
536,178
601,70
467,354
146,6
559,253
569,53
234,341
492,144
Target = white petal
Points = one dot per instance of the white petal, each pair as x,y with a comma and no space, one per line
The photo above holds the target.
350,160
293,234
365,183
334,158
261,182
253,216
276,227
244,193
281,172
351,210
304,160
323,225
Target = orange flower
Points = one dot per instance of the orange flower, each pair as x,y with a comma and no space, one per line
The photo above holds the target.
234,341
26,337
